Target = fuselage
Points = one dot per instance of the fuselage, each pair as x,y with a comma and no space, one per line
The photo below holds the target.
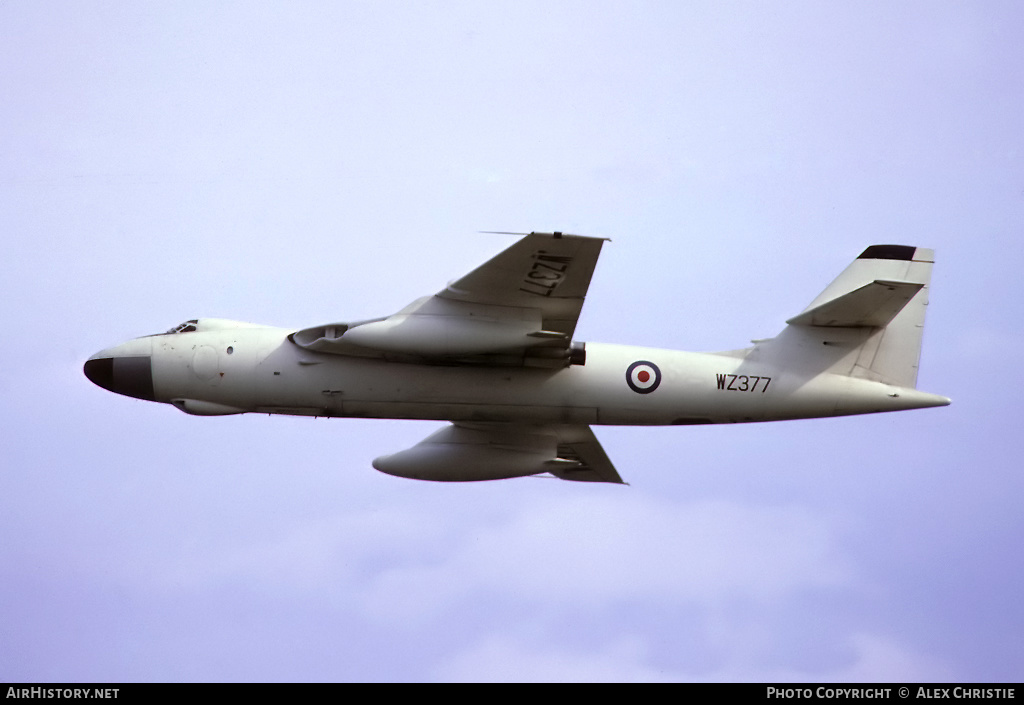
227,367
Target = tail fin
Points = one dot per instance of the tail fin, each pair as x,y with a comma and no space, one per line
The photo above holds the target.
868,323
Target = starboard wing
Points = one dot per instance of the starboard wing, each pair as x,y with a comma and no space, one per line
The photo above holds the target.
519,308
550,272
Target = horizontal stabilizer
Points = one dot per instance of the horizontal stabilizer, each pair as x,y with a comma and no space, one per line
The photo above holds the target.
873,305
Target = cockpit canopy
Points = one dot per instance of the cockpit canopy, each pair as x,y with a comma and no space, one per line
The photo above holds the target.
186,327
203,325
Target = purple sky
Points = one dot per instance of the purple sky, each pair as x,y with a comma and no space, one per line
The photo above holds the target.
300,163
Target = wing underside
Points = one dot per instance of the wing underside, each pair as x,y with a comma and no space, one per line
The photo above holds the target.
472,452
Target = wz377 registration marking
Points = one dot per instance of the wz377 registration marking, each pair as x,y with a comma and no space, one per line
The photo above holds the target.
742,383
547,272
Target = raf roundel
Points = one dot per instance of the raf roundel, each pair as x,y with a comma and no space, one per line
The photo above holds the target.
643,377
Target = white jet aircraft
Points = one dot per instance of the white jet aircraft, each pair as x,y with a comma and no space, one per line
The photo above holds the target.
493,353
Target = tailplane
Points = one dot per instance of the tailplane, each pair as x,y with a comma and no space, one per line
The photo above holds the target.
868,323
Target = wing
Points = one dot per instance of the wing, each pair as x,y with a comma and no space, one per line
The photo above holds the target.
547,272
519,308
494,451
578,443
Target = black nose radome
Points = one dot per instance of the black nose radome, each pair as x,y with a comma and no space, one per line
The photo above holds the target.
131,376
100,372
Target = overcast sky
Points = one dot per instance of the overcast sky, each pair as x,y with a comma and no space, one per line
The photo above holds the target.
301,163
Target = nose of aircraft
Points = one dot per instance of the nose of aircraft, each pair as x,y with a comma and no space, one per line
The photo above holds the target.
128,373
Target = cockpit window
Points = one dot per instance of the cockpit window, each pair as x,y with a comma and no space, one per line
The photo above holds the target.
186,327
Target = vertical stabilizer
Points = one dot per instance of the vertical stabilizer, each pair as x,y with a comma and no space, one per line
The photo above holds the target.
868,323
